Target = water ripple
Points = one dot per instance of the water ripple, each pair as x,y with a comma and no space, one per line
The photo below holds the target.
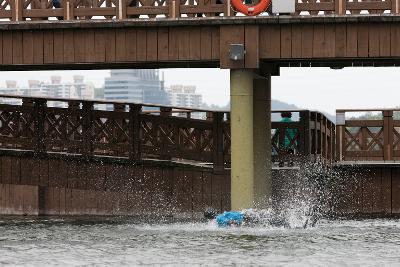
125,241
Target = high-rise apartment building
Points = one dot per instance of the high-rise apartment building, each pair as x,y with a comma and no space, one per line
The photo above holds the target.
56,88
142,86
184,96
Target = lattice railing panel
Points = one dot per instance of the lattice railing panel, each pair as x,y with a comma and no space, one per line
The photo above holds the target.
110,133
374,138
63,130
174,137
353,139
364,138
17,127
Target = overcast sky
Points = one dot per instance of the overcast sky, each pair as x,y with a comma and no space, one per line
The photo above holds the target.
313,88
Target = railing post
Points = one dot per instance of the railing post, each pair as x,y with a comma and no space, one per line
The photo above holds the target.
87,128
321,137
118,108
73,107
209,116
174,9
165,152
39,107
340,132
228,8
27,102
305,148
340,7
121,9
395,7
316,135
218,142
387,134
332,139
68,7
134,128
17,8
325,135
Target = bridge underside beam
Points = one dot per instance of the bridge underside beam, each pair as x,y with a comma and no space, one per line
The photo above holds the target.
330,42
251,145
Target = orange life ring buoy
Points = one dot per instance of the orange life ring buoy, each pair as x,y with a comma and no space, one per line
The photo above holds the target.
251,10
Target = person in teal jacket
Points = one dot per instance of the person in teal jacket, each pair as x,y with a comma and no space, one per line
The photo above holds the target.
252,218
245,217
230,218
225,219
289,134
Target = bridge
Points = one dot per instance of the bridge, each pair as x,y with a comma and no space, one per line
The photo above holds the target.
66,34
70,156
154,34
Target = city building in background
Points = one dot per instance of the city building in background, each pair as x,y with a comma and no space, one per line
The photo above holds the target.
55,88
185,96
10,89
131,85
141,86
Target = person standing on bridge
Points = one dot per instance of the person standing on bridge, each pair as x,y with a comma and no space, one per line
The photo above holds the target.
289,134
286,142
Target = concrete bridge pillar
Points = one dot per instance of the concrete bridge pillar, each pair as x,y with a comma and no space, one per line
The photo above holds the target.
251,139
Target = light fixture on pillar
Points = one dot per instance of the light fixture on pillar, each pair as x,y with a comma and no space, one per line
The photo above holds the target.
236,52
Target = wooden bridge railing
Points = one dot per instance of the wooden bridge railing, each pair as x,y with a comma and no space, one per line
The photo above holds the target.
137,131
20,10
342,7
376,138
312,137
128,130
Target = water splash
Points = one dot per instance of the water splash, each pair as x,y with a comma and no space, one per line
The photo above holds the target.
292,217
301,197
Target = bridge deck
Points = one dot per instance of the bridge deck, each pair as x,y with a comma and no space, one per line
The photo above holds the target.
331,40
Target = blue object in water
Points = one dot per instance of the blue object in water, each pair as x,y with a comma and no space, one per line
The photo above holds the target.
229,218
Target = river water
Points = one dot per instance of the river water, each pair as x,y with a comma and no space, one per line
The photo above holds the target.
116,241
